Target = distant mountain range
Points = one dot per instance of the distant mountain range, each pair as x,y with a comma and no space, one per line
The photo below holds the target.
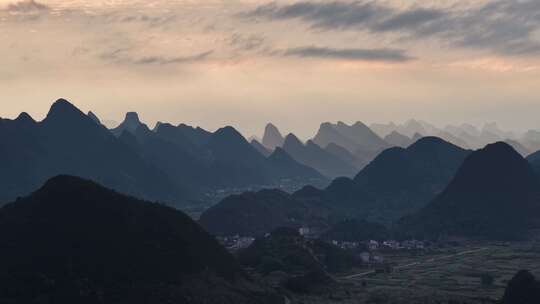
431,189
380,174
357,145
174,164
312,155
75,241
69,142
465,135
398,182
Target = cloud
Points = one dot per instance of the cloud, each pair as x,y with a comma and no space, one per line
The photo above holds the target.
386,55
508,27
27,6
409,19
246,42
159,60
123,56
329,15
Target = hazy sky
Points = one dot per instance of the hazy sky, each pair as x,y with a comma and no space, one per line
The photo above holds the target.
295,63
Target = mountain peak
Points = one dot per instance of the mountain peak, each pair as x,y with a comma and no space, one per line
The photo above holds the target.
397,139
131,123
427,141
279,153
291,139
228,132
94,117
271,126
329,125
260,148
61,184
359,124
132,117
499,148
272,137
497,166
25,118
61,108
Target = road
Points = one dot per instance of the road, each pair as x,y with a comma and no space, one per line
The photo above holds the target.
363,274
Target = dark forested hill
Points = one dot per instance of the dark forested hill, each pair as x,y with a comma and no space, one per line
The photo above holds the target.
495,194
254,214
398,181
73,241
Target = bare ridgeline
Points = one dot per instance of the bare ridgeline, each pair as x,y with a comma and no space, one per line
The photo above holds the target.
384,213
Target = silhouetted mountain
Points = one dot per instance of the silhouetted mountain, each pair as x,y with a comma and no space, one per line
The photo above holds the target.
73,241
198,135
534,159
398,140
494,129
183,137
523,288
223,159
69,142
272,137
315,157
518,147
130,124
495,194
358,139
346,156
411,128
465,135
94,118
260,148
383,130
236,160
180,160
254,214
283,164
328,134
452,139
398,181
363,136
285,251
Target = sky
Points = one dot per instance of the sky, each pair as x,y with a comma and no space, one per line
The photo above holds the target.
244,63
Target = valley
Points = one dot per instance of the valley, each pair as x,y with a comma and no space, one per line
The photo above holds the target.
443,275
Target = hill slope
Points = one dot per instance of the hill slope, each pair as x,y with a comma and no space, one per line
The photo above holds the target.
315,157
73,241
495,195
398,181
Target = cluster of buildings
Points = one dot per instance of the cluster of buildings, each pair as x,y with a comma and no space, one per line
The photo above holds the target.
373,245
395,245
236,242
